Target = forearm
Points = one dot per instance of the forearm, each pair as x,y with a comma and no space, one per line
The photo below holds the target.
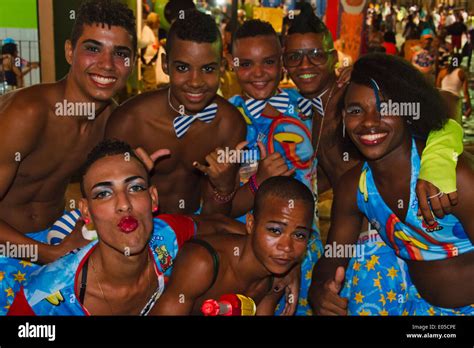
45,253
215,202
217,223
243,201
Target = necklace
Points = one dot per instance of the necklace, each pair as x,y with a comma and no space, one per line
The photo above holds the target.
322,121
102,291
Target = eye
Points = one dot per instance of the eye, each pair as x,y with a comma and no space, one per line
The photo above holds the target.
123,54
209,69
92,48
182,68
244,64
294,56
270,61
353,110
137,188
101,195
301,235
274,230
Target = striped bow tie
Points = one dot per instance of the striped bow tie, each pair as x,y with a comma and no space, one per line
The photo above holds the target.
306,105
182,123
279,102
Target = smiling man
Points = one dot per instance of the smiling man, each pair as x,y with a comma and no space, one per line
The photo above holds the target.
189,119
42,148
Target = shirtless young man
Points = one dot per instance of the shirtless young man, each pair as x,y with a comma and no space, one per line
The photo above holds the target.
162,119
41,150
278,233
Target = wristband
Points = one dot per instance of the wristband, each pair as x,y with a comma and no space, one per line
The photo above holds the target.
253,184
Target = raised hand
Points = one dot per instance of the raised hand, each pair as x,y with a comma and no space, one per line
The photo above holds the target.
271,165
325,300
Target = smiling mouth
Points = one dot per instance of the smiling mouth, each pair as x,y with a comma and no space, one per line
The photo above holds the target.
103,80
307,76
373,139
194,96
259,84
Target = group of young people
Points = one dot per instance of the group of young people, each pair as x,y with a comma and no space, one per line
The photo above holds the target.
177,225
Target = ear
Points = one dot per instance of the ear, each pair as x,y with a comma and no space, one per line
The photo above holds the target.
154,198
68,51
334,59
164,63
84,209
250,223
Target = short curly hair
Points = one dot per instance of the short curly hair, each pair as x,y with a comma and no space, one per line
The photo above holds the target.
108,147
253,28
195,26
105,12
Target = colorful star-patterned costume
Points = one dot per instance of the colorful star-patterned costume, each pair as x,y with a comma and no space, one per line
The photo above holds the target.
14,272
51,289
382,272
289,133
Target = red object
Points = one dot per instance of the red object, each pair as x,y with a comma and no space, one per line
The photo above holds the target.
229,305
183,226
20,305
332,17
390,48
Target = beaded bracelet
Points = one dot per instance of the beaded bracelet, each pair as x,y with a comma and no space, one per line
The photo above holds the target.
220,198
253,184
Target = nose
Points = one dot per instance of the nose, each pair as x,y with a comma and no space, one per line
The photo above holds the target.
305,63
285,243
106,61
371,118
123,204
196,79
258,71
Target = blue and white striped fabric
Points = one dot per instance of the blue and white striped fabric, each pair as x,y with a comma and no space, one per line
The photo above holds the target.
279,101
306,105
182,123
63,227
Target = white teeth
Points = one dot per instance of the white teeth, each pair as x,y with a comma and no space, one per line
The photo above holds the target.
260,83
195,95
306,76
372,137
103,80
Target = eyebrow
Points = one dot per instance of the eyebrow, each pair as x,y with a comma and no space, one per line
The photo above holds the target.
285,224
109,183
98,43
207,64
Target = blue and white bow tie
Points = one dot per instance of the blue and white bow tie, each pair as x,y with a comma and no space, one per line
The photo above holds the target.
306,105
279,102
182,123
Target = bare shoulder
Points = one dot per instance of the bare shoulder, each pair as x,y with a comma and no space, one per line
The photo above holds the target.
140,106
135,111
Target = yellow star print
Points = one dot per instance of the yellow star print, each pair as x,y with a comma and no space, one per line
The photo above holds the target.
26,263
364,312
303,302
7,307
19,277
377,283
383,312
10,292
403,285
405,312
370,265
359,298
308,275
391,296
356,266
431,311
355,280
2,275
392,272
382,299
313,247
375,260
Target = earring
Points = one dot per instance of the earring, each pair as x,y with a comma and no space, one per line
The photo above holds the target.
155,209
86,221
